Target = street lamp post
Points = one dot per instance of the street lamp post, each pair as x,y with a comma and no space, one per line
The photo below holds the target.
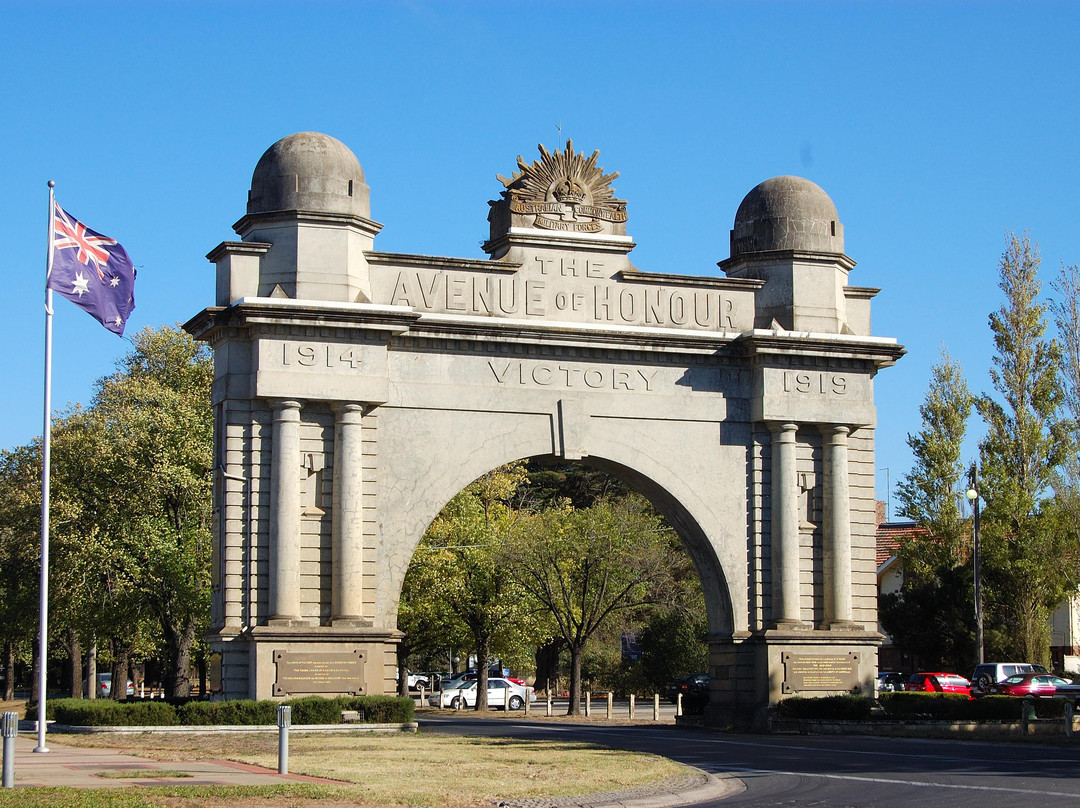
973,496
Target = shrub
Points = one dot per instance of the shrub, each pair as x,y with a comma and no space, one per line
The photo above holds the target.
243,712
308,710
107,713
836,708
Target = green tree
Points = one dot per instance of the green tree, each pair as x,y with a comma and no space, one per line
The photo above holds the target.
1065,308
140,467
931,617
457,571
20,556
1025,551
585,565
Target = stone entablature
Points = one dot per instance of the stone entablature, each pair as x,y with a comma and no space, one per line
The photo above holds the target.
741,405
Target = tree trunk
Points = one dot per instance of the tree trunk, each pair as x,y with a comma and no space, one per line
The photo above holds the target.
9,667
576,652
75,659
35,661
203,685
402,676
481,674
547,666
181,664
120,666
91,671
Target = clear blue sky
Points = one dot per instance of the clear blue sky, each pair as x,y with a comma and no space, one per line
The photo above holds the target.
935,127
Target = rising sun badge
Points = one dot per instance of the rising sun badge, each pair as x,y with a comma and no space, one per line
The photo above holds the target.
565,191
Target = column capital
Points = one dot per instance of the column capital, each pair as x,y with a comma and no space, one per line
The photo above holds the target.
835,430
345,410
782,427
284,407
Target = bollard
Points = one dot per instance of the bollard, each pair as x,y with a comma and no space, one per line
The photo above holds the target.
1028,716
678,704
588,704
631,706
9,727
421,695
284,720
549,705
1070,708
655,706
610,703
528,693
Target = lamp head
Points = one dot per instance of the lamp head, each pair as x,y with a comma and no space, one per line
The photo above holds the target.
972,494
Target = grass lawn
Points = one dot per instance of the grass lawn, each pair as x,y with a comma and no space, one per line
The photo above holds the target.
434,771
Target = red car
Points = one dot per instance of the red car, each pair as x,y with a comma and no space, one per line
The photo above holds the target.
1028,684
937,683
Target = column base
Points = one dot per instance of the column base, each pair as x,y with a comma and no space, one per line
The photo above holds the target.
288,622
788,624
350,621
842,625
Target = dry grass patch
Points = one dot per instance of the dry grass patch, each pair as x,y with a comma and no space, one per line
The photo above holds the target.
419,769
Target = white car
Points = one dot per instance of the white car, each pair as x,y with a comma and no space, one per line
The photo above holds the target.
500,693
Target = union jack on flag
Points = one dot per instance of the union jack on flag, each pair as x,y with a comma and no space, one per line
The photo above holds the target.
92,271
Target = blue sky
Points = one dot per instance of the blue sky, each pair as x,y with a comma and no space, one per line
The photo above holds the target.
935,128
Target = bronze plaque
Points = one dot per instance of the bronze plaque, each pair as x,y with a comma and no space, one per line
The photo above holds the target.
319,673
820,672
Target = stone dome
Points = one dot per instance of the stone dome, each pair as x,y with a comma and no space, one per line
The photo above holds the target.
787,213
309,171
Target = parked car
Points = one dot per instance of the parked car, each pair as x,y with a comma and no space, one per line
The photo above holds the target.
418,680
989,673
105,686
500,693
692,685
889,681
1028,684
935,682
463,678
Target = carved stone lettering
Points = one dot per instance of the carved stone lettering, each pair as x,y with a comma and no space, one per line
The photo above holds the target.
319,673
321,355
805,672
591,299
570,377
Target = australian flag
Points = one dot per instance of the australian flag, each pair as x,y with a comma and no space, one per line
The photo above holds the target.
92,271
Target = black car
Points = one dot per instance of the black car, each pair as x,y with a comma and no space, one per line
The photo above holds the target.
692,687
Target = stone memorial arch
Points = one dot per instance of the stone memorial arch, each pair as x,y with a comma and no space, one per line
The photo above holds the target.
356,391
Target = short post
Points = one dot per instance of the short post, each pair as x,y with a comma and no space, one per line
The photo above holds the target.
588,703
1027,716
631,706
9,727
528,694
610,703
1070,708
284,721
421,695
549,705
655,706
678,704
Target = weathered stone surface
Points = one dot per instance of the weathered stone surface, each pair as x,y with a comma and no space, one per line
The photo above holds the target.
358,391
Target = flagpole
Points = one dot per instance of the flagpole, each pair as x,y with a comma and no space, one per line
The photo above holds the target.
46,448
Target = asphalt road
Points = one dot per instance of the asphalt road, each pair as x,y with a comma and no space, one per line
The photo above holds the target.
831,771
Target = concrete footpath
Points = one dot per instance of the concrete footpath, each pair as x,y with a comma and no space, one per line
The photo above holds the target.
86,767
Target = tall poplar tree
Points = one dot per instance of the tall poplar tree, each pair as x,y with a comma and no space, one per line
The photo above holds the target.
932,616
1025,551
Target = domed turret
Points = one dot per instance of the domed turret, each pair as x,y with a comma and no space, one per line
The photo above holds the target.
787,213
309,171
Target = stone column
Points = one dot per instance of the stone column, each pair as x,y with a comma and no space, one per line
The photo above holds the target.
785,528
347,519
837,544
284,584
